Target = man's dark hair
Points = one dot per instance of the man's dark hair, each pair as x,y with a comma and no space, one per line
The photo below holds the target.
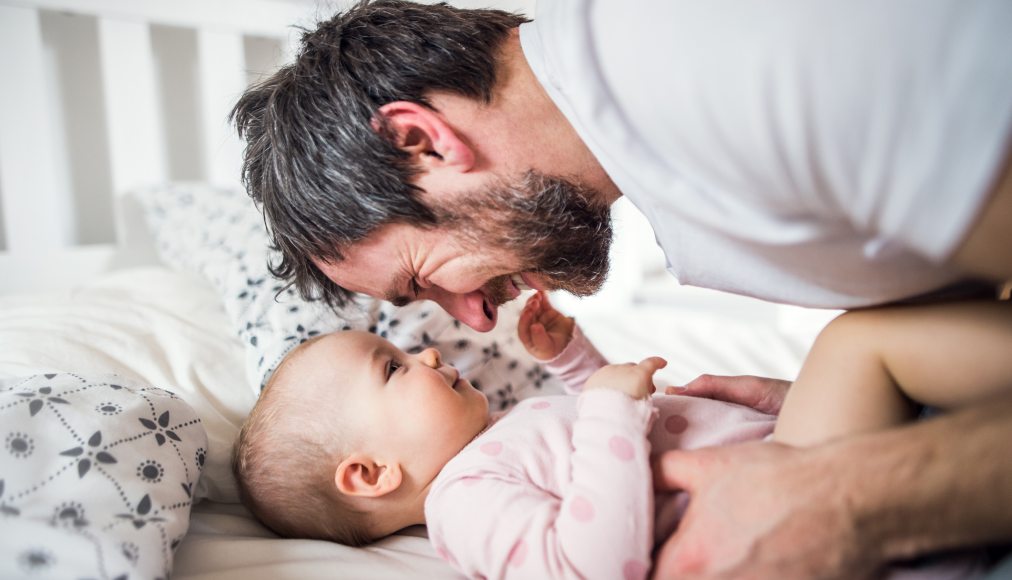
321,172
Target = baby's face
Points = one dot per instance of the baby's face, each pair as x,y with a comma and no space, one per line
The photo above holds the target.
406,404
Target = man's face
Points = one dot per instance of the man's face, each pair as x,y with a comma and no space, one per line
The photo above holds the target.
539,232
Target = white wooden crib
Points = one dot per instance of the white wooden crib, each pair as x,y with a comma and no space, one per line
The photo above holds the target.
101,97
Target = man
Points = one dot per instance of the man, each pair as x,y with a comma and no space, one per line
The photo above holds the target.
830,154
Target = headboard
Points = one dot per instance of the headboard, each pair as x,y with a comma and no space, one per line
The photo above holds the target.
101,96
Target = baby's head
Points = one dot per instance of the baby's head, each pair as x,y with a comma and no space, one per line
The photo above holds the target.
348,435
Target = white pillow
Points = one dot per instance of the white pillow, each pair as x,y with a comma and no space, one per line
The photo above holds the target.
150,325
97,476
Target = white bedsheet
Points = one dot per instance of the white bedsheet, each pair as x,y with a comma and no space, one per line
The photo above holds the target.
168,328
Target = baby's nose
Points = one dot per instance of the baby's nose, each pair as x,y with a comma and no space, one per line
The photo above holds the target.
431,358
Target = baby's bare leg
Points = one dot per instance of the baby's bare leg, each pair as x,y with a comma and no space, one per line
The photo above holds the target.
867,368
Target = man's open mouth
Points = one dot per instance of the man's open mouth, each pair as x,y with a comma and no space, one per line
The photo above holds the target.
488,309
519,281
503,289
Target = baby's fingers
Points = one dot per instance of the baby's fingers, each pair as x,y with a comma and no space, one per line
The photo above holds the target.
524,325
544,304
653,364
540,339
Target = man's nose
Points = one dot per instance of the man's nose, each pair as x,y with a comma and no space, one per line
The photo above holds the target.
468,308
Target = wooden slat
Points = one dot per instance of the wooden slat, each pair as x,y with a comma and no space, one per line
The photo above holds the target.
136,135
222,80
36,211
261,17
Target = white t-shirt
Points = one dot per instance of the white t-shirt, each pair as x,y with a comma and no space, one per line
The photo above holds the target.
821,153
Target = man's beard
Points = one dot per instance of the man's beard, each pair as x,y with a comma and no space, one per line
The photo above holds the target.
554,227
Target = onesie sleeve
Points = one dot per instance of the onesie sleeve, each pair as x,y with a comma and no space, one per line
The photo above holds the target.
576,362
502,525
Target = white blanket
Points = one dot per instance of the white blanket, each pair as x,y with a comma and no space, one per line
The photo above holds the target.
168,329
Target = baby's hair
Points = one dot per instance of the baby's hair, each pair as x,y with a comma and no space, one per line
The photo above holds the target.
284,462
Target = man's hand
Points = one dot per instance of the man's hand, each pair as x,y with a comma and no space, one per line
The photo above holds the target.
543,330
762,394
759,510
635,380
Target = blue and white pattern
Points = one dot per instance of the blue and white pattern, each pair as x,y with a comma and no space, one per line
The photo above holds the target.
97,477
220,235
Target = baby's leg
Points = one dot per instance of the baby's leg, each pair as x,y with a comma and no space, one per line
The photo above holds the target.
867,368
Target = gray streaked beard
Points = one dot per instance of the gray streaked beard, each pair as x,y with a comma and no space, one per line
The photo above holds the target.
555,227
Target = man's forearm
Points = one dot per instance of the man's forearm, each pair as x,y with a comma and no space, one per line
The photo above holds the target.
935,485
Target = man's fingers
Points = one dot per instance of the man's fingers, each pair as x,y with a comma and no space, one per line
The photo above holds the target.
677,470
706,385
760,393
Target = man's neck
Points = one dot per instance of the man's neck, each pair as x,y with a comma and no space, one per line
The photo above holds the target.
557,146
523,129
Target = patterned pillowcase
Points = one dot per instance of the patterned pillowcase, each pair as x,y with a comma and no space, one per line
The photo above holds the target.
220,235
96,477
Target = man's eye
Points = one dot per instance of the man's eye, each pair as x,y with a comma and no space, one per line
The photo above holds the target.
392,367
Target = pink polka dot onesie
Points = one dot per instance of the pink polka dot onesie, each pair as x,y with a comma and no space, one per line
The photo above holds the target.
560,487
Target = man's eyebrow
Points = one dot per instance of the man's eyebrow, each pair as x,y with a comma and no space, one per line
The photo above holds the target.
394,295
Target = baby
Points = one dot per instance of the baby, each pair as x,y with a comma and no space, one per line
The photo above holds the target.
353,440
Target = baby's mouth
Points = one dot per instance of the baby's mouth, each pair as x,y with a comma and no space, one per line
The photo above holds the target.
458,381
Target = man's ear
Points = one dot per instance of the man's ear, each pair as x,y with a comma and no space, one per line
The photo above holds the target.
424,134
362,476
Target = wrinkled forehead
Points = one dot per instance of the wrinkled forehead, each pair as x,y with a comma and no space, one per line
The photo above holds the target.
382,264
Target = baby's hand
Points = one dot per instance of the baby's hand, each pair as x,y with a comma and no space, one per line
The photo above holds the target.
635,380
543,330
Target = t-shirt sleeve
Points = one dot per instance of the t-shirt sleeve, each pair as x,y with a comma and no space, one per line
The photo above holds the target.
502,525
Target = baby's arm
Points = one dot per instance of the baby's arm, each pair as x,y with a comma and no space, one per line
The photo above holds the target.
867,368
556,341
501,524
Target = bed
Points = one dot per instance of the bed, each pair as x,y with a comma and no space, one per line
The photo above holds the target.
134,292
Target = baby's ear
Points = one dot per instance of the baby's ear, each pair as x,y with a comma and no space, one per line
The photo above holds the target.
362,476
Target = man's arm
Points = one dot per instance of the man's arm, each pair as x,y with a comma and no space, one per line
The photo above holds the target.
844,509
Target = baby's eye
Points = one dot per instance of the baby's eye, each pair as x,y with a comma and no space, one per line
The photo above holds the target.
392,367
